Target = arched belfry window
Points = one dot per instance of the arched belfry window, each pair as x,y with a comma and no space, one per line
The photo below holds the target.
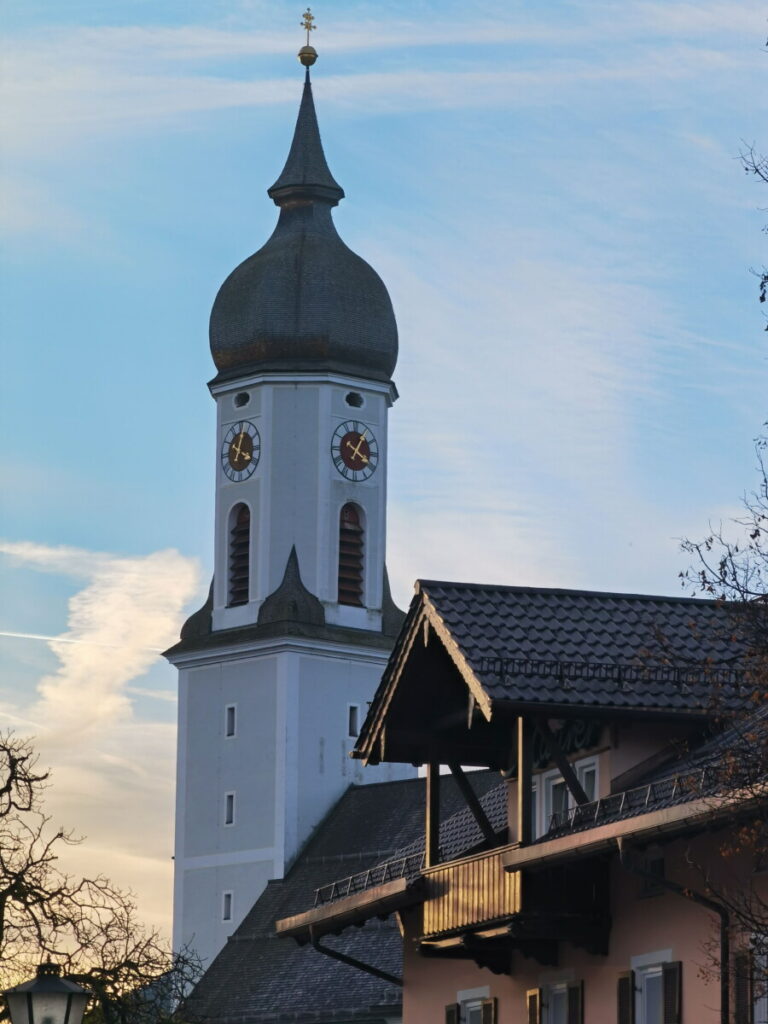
351,556
239,554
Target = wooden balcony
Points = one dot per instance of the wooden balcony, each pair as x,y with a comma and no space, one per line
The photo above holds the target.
466,893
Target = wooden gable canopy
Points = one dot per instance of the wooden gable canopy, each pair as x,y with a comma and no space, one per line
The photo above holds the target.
470,659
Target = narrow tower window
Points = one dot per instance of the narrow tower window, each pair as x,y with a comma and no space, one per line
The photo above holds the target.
230,720
229,808
226,906
351,556
239,554
353,720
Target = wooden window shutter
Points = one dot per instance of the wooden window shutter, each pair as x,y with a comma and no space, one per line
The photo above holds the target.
745,1008
625,998
239,555
488,1011
350,556
672,980
452,1012
576,1003
533,1004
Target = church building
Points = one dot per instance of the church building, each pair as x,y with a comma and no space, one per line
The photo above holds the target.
577,875
276,671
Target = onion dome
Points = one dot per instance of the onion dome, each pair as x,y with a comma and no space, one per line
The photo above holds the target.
304,301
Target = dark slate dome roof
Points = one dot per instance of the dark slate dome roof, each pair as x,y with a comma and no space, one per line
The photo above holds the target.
304,301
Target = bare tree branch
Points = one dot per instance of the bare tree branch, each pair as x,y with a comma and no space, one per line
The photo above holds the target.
87,925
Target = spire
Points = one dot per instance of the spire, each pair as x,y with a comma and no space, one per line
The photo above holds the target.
306,175
291,602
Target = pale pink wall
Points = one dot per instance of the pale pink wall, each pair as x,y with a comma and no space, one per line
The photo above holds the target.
640,926
632,742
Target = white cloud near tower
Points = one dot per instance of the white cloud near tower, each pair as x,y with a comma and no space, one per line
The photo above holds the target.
113,777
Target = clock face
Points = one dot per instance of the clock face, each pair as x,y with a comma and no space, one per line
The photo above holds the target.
240,451
354,450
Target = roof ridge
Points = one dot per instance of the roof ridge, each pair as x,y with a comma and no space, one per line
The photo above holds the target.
420,583
385,782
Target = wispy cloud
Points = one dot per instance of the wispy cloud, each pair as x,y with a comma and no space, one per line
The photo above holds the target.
530,384
113,769
127,612
65,84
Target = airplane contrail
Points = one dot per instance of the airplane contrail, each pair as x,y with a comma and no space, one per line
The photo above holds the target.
67,640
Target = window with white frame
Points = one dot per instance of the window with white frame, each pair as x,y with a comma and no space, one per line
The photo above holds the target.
555,1004
473,1006
649,995
654,985
552,796
230,720
759,983
226,906
471,1012
229,808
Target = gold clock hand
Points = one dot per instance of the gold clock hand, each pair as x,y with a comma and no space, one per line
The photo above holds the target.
238,448
356,453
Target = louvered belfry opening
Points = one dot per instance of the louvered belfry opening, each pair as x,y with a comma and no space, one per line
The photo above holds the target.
350,556
239,554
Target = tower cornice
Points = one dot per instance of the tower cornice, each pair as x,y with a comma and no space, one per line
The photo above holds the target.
222,385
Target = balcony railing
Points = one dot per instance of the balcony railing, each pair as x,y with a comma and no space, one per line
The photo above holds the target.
408,867
469,892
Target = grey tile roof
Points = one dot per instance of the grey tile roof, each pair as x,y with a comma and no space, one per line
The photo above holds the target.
531,644
261,979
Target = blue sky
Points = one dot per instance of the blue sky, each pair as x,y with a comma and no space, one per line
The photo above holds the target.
553,197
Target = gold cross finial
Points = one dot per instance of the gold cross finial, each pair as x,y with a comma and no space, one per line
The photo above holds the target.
306,23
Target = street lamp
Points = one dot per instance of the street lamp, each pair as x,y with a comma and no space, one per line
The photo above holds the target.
49,999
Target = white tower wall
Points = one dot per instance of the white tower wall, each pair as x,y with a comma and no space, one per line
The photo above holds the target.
304,338
295,496
286,765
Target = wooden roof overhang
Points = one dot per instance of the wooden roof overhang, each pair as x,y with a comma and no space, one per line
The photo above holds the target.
431,705
333,918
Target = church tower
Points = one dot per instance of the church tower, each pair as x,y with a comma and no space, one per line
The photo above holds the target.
276,670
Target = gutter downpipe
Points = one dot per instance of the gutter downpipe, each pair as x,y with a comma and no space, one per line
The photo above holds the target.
704,901
352,962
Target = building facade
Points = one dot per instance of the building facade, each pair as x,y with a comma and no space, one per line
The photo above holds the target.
610,875
277,669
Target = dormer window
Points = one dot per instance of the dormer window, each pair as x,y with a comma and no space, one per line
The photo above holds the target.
552,800
239,554
351,556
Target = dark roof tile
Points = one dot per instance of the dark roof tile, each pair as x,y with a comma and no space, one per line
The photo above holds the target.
258,978
604,631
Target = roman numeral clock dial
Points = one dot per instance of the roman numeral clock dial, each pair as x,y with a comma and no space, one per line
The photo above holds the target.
354,450
240,451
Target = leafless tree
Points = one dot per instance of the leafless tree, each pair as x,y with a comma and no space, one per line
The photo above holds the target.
731,565
756,165
87,925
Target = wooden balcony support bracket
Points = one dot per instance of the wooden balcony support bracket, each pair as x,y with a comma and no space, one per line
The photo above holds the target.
352,962
524,780
562,762
473,803
494,953
432,829
543,951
